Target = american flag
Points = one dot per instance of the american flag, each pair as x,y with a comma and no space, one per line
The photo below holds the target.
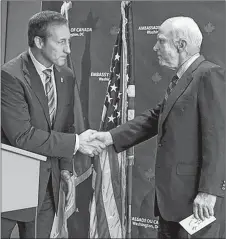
108,208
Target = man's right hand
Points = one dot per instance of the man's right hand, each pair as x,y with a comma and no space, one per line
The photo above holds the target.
88,146
104,137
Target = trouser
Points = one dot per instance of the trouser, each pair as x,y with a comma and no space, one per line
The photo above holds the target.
41,226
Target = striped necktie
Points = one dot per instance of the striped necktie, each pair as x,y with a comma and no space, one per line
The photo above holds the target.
172,84
49,91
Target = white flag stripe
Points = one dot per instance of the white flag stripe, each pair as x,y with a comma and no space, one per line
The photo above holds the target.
59,220
123,166
93,219
104,113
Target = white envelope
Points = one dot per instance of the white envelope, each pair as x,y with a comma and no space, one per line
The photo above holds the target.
192,225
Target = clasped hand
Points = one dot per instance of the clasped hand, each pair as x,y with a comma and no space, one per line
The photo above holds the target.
92,142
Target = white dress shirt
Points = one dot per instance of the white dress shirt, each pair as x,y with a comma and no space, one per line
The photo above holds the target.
40,68
186,64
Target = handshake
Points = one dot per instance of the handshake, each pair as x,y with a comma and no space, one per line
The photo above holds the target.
92,142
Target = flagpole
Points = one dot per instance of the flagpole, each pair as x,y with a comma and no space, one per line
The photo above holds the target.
124,115
67,5
129,85
131,115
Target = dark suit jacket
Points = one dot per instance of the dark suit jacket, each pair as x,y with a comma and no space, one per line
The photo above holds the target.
25,122
191,139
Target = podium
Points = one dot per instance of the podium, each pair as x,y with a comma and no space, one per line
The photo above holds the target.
20,178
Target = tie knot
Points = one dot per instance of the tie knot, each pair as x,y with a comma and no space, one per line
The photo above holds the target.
47,72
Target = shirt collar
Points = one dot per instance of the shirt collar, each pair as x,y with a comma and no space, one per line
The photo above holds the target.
186,64
38,66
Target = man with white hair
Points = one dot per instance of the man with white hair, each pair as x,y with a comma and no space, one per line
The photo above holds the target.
190,124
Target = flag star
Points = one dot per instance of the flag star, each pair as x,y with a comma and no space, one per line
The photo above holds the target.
111,119
119,94
115,106
113,87
118,76
109,99
118,114
117,56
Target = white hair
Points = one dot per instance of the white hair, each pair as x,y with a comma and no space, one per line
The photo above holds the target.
185,28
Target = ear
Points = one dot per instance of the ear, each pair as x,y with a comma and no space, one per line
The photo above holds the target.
38,42
181,45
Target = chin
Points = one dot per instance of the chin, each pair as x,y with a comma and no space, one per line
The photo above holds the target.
165,64
61,63
162,63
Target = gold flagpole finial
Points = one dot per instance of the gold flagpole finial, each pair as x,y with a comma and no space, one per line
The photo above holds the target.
124,3
65,8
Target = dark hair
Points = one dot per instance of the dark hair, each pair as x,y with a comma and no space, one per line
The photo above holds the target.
38,24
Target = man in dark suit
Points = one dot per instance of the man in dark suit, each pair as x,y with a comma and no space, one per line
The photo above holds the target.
190,124
37,95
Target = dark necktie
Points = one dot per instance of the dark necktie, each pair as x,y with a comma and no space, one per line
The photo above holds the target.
172,84
49,91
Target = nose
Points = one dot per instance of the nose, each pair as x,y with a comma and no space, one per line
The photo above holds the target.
67,48
155,47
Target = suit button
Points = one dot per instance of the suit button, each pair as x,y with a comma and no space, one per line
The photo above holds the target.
223,188
49,169
160,145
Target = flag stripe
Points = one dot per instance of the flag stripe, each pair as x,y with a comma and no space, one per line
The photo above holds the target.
115,178
93,219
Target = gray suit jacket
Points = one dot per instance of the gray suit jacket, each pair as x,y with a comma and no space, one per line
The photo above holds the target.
191,139
25,123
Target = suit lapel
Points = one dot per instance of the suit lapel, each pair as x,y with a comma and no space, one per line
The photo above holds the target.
178,90
61,94
33,79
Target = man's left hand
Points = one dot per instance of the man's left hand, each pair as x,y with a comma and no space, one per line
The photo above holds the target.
203,206
68,186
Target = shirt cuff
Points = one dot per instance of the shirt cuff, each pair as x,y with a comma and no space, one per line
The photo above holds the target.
76,144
